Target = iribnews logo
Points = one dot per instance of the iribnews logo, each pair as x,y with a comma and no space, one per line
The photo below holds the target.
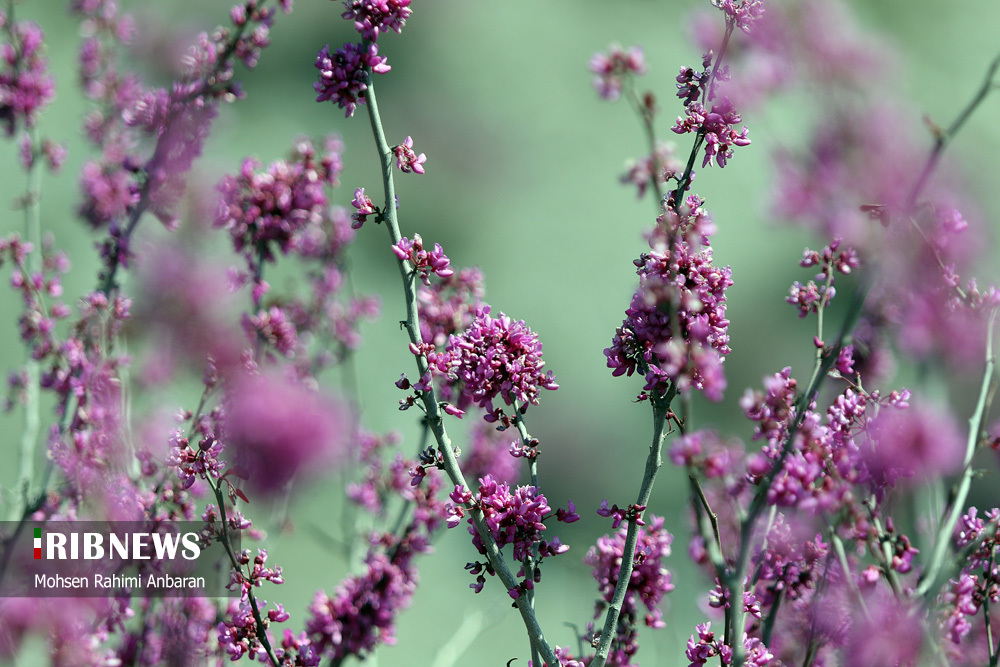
125,546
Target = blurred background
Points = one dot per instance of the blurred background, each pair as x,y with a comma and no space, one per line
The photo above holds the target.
523,162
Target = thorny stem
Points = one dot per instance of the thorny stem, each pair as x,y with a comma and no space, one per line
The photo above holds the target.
661,404
429,397
928,579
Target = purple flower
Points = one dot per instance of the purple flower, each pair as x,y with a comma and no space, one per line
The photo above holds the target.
343,76
650,580
707,646
364,206
497,357
424,262
641,173
278,428
362,612
681,292
614,67
919,442
741,13
810,297
109,190
259,209
406,158
447,306
25,84
272,326
717,127
374,16
512,517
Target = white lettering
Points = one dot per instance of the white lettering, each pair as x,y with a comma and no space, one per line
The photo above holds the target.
93,546
55,542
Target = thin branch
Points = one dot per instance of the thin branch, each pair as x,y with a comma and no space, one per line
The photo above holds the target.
943,137
929,577
653,462
224,536
32,370
429,397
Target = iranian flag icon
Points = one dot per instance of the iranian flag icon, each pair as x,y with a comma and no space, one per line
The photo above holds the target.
38,543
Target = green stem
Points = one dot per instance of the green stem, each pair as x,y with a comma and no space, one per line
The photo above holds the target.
429,397
224,536
531,559
734,582
653,462
928,580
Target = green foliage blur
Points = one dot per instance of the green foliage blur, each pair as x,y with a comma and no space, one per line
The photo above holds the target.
522,181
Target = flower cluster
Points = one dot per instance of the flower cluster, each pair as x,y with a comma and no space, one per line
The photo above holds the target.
448,305
364,206
25,84
424,262
649,582
344,75
978,581
407,159
707,646
741,13
277,429
810,297
675,330
614,68
513,517
692,83
362,613
716,126
791,565
659,167
261,210
372,16
496,357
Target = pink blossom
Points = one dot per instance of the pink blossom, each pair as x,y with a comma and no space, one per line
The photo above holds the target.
278,428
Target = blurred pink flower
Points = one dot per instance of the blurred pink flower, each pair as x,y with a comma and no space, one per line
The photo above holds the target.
277,428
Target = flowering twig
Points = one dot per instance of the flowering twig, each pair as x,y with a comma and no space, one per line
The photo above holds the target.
32,408
654,460
429,396
684,182
224,536
532,558
121,243
734,579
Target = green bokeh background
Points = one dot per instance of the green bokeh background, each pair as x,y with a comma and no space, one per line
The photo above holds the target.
522,170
